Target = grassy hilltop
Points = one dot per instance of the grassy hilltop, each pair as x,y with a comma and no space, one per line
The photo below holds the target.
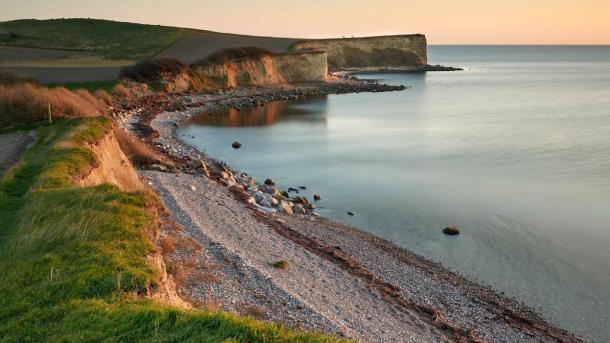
104,38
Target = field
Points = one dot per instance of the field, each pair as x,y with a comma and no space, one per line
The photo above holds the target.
106,39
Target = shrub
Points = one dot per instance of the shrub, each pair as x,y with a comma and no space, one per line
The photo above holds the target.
281,264
22,103
233,54
9,78
153,70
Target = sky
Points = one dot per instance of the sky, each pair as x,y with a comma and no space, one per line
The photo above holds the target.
442,21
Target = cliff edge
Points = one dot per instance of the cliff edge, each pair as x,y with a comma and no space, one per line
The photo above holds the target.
366,52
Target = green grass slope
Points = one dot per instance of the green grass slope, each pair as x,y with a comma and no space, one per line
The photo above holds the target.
108,39
72,259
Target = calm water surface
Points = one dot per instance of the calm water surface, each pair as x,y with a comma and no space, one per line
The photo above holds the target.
515,150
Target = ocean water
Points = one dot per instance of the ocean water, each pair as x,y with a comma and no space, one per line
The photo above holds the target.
515,150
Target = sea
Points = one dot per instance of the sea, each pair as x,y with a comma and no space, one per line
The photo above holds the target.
514,150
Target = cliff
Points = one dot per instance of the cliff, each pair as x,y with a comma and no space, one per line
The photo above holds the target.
366,52
265,69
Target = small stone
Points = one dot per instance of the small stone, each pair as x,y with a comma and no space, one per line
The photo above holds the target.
299,209
316,197
302,187
451,230
301,200
290,189
236,145
285,194
351,213
270,182
285,206
193,188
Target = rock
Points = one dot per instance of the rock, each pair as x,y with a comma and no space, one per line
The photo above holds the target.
302,187
301,200
451,230
351,213
285,206
316,197
290,189
224,175
270,182
236,145
298,208
251,200
274,202
193,188
158,167
312,206
285,194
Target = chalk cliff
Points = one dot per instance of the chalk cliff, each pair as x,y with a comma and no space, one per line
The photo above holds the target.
266,69
365,52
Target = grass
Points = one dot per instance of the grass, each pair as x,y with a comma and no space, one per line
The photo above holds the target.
72,259
90,86
281,264
108,39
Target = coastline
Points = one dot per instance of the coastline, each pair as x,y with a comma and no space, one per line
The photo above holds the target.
401,293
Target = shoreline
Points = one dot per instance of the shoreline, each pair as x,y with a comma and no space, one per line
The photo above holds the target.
430,302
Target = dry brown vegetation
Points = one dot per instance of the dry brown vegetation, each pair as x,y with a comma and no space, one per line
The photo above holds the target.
22,103
121,91
251,310
167,245
137,151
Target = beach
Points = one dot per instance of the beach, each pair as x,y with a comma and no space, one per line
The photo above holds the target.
337,279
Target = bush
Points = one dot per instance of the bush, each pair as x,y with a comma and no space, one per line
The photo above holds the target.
9,78
23,103
233,54
153,70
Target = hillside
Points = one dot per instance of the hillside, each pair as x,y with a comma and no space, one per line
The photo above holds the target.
103,38
79,257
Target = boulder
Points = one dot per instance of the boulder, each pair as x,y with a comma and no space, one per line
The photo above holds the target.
451,230
316,197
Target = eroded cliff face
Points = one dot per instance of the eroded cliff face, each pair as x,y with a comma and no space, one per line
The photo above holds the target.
366,52
269,70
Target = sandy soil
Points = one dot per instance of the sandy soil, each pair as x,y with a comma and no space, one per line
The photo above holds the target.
13,145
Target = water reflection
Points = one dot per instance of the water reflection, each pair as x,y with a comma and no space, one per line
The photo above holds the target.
267,115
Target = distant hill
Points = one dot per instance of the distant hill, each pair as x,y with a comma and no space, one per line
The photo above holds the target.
106,39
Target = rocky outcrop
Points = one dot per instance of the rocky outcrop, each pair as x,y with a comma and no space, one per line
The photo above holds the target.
266,70
382,51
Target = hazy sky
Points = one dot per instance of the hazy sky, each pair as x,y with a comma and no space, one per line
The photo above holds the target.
443,21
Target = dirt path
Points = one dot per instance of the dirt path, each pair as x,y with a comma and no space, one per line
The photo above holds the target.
12,145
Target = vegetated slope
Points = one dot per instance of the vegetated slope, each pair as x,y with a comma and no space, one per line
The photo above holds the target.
108,39
73,259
